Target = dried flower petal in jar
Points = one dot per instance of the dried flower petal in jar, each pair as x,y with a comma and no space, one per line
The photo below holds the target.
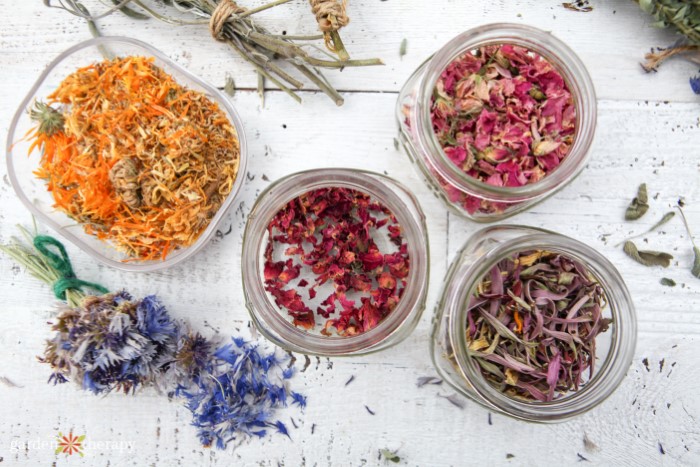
500,118
505,116
533,324
331,236
335,262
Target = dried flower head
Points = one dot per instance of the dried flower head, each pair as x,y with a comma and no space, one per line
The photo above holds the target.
111,342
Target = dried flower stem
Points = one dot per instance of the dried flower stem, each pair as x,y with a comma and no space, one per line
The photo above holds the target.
27,255
655,59
233,24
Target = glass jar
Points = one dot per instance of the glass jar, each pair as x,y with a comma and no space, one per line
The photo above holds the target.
450,182
614,348
275,324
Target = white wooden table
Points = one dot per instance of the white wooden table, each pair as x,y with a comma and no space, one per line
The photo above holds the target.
648,131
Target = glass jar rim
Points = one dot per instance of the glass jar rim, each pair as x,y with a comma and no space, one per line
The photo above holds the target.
623,340
219,98
567,63
265,313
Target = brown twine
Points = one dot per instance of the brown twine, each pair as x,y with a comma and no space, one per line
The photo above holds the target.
224,10
654,59
331,16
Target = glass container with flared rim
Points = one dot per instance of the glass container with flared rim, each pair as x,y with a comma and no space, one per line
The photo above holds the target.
268,317
421,144
32,191
448,346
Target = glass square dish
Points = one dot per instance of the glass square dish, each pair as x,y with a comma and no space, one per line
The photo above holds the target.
32,191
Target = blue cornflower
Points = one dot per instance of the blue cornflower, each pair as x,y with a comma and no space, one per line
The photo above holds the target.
281,428
238,394
154,320
112,342
298,399
227,354
695,84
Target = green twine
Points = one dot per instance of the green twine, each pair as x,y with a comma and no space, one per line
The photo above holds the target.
62,265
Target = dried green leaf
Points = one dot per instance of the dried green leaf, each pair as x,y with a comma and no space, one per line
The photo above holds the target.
668,282
667,217
684,16
647,257
390,455
404,47
230,86
639,205
695,270
696,263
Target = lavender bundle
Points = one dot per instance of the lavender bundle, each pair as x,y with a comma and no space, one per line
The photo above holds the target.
113,342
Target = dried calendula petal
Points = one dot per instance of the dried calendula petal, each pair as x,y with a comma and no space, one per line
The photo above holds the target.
136,157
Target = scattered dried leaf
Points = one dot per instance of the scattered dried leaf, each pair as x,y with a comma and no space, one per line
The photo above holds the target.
9,383
390,455
668,282
423,380
647,257
230,86
639,205
454,400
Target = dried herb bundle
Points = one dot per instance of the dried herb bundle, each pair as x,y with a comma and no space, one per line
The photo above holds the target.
683,15
234,25
533,322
